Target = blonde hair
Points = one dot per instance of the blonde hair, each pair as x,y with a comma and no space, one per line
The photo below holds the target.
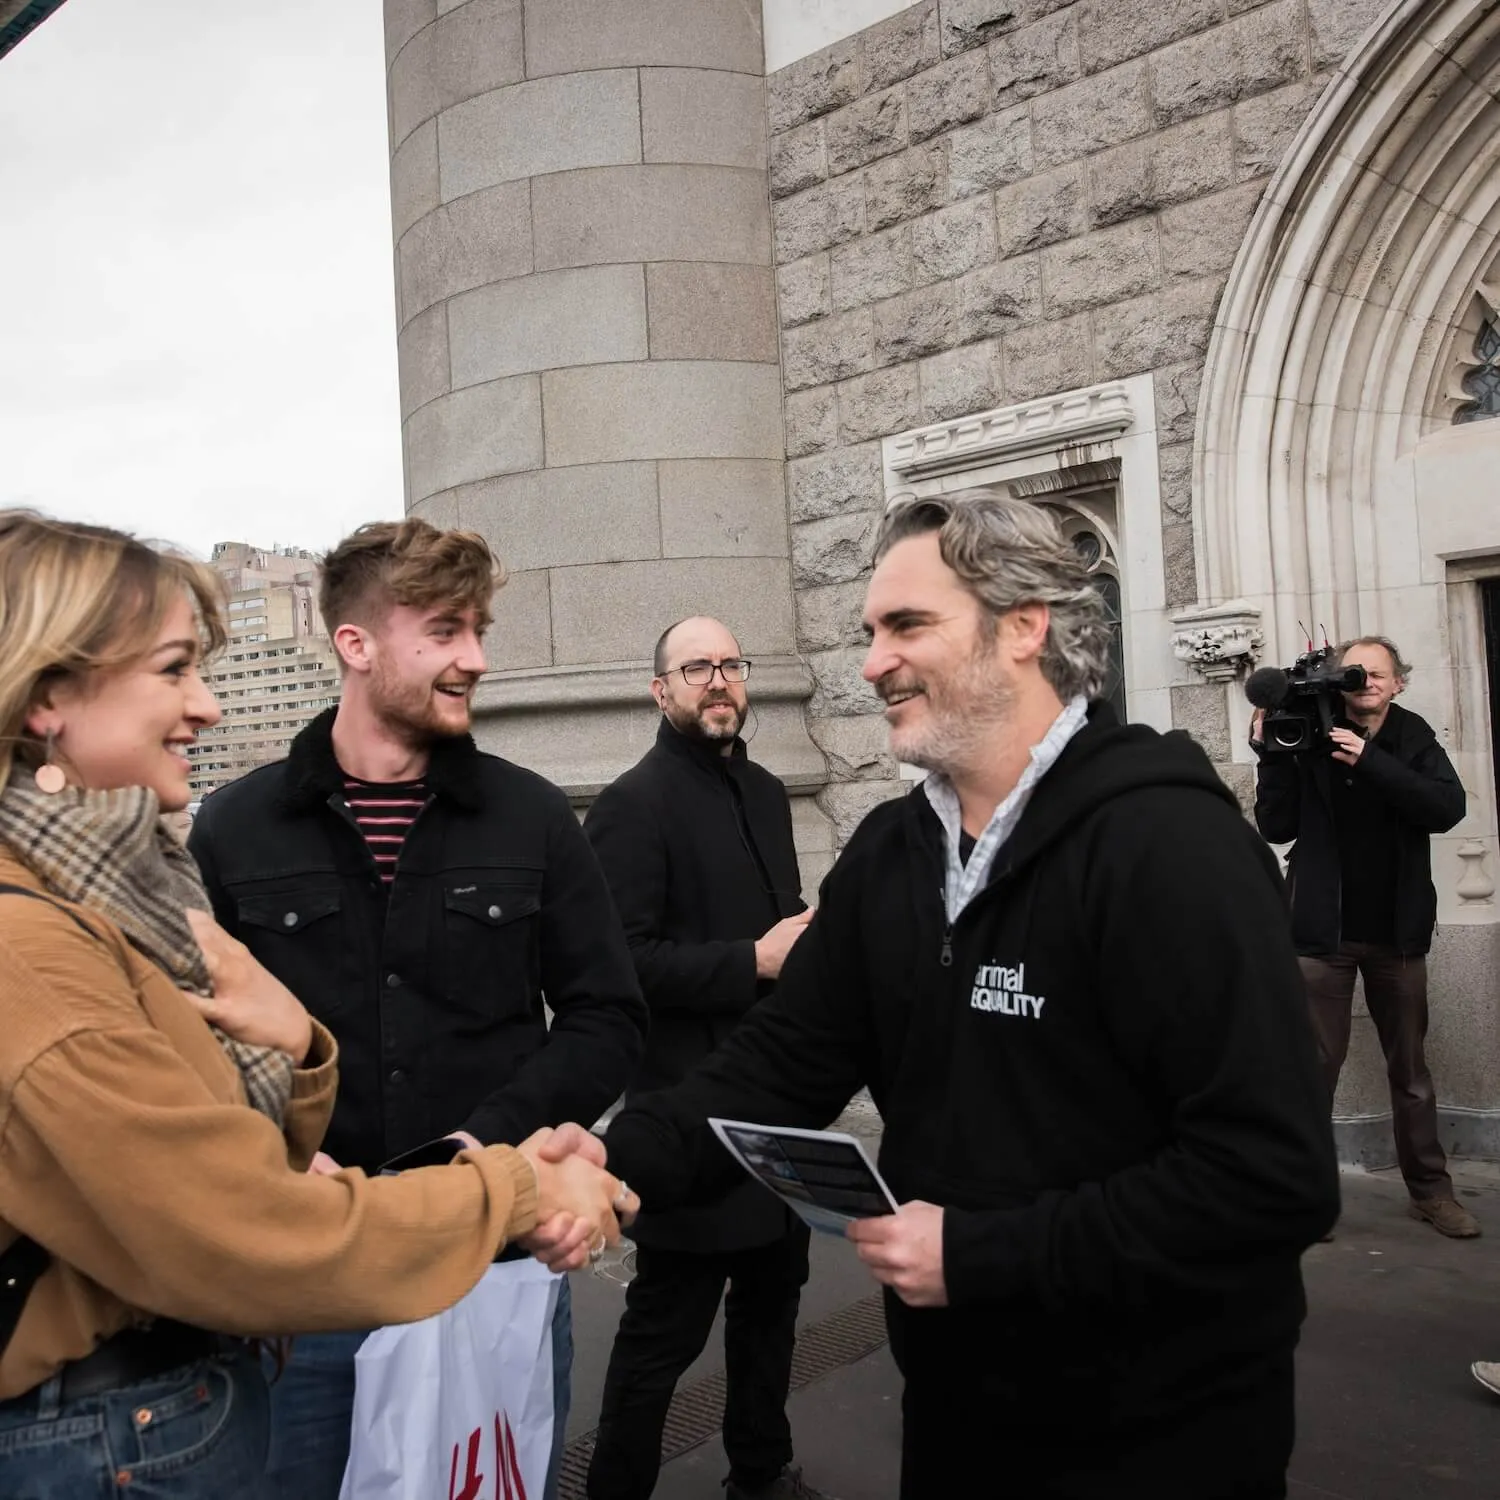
76,600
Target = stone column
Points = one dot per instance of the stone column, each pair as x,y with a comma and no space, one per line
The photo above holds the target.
588,353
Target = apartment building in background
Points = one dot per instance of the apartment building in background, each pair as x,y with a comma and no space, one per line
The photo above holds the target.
278,670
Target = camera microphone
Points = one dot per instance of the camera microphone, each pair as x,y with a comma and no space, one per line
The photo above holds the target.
1267,687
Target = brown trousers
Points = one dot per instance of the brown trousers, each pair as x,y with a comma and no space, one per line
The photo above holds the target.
1396,994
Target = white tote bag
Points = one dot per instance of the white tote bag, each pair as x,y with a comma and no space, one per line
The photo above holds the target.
460,1405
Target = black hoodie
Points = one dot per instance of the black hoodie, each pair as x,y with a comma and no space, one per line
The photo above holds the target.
1103,1071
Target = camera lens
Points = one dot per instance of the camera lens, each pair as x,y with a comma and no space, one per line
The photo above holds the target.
1289,734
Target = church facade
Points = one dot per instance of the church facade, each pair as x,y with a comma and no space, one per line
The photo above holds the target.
688,291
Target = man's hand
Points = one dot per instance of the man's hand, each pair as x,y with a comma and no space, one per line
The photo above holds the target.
249,1003
561,1243
1348,746
772,949
1257,733
580,1206
569,1140
904,1250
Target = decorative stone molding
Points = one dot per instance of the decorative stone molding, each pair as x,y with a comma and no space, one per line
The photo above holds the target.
1475,886
1220,640
1071,420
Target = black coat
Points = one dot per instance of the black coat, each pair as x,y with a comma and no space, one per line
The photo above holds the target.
694,897
1406,766
1103,1070
434,990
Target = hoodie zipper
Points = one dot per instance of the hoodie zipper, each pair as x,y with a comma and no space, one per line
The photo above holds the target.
946,957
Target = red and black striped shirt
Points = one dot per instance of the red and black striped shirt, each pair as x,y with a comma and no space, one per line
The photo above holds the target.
385,811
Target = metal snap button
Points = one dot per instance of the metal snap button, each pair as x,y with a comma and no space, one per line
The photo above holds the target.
289,920
392,981
143,1416
494,912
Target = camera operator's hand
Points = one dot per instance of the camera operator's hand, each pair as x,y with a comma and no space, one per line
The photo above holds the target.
1349,746
1257,733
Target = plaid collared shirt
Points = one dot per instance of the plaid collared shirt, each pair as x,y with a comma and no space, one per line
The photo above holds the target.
963,882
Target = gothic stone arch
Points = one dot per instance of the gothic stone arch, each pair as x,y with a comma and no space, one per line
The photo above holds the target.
1330,486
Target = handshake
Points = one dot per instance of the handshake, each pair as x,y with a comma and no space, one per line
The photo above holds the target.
580,1208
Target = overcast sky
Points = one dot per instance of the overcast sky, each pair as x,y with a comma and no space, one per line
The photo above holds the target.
197,336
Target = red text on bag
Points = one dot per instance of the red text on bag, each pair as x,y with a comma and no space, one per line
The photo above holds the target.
508,1482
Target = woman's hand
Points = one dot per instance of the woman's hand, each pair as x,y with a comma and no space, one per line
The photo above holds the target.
249,1003
580,1206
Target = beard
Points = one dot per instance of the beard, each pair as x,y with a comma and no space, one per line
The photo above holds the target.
411,712
695,724
964,709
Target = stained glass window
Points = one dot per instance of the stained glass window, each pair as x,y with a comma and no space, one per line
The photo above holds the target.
1483,382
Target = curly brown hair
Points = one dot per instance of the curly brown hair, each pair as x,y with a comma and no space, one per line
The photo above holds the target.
408,562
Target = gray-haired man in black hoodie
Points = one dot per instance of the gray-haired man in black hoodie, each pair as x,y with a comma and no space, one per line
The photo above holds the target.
1062,967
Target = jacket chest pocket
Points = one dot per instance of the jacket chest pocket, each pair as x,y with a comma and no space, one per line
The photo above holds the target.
297,935
492,956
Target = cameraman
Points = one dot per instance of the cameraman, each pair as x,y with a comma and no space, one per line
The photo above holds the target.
1360,878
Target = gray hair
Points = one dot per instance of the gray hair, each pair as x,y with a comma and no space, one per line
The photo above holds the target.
1009,552
1403,668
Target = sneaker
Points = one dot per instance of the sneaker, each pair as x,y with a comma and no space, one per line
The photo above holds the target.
787,1485
1488,1375
1446,1216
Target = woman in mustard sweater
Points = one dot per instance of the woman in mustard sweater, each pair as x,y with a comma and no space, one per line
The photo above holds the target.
161,1095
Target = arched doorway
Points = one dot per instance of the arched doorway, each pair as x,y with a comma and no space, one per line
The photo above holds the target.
1331,485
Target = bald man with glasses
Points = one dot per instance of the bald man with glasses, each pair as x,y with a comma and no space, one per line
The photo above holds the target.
696,844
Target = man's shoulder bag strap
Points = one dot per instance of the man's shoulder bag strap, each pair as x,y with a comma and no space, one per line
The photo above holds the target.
22,1263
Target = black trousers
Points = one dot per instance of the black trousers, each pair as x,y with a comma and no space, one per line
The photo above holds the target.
1080,1428
669,1312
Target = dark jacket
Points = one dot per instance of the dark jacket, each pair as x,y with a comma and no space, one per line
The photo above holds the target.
435,991
1407,767
1110,1084
695,888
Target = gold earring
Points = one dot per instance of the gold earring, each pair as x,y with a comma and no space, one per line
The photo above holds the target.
49,775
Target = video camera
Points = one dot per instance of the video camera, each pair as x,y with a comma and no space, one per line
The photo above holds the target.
1302,702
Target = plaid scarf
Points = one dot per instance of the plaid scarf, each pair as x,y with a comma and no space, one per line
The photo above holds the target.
111,852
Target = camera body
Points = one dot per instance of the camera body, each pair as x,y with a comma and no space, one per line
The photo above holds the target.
1302,702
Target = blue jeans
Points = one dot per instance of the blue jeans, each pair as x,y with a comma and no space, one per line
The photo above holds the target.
194,1433
312,1407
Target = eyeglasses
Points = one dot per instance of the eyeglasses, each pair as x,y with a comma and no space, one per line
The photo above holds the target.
701,673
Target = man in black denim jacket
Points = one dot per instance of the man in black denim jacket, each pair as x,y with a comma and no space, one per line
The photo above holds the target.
424,900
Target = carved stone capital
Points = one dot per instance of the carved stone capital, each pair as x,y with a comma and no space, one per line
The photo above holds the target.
1220,640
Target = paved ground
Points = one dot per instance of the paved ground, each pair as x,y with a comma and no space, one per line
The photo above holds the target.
1388,1410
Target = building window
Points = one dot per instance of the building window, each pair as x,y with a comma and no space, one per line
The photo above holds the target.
1482,383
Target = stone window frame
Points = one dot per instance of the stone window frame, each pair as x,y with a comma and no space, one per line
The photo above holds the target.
1056,443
